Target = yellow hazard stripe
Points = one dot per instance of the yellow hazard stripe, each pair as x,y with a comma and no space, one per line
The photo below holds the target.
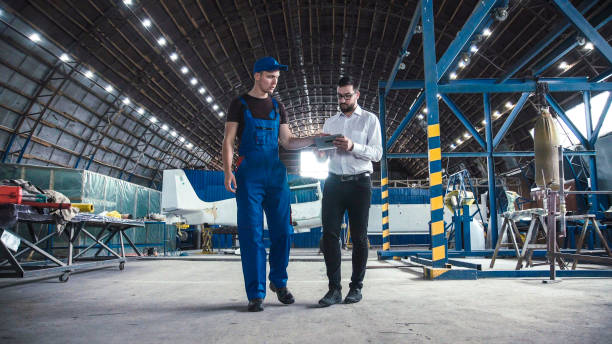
433,130
385,207
384,181
385,220
437,228
384,194
436,179
438,253
436,203
435,154
386,233
386,246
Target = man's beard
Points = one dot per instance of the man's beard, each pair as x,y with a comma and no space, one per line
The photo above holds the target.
350,108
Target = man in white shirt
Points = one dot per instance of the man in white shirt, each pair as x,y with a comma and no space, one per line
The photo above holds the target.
348,188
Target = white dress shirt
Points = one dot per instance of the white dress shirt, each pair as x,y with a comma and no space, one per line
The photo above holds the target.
363,128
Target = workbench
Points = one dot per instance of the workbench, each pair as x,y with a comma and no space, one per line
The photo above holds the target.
74,259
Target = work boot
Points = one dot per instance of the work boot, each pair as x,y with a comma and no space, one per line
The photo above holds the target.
256,305
353,296
284,295
333,296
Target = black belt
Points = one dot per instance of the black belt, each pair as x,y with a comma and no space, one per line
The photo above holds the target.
349,177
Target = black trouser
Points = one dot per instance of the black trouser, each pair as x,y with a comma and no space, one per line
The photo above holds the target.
338,196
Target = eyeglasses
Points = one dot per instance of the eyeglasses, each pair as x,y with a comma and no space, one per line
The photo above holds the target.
346,96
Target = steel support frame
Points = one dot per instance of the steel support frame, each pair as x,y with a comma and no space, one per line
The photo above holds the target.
433,74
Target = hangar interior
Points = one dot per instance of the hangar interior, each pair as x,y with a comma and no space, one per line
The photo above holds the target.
496,162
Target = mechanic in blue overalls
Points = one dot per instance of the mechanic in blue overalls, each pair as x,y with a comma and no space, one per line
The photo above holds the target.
260,182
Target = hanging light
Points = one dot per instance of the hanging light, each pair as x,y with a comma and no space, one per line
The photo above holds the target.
589,46
173,56
193,81
453,75
486,32
221,114
146,22
184,70
509,105
202,90
215,107
209,99
161,41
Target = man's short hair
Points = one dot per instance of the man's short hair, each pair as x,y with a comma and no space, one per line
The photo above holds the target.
347,81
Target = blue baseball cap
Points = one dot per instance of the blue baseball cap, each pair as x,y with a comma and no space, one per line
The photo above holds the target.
268,63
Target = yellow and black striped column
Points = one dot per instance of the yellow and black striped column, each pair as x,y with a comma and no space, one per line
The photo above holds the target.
384,180
438,238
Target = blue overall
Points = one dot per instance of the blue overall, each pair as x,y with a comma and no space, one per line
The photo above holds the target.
262,186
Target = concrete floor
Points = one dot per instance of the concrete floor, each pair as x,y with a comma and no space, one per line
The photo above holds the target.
179,301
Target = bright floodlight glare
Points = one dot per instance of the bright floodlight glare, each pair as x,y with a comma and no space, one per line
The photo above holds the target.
109,88
126,100
208,99
161,41
184,70
486,32
589,46
453,75
146,22
173,56
165,127
193,81
89,74
35,37
201,90
65,58
140,111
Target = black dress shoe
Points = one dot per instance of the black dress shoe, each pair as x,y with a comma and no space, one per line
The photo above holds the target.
256,305
333,296
284,295
353,296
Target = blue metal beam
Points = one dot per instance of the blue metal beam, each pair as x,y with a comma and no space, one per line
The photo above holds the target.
601,77
510,119
555,32
567,121
583,25
413,110
492,230
602,117
566,46
413,23
510,86
438,238
481,154
463,120
472,25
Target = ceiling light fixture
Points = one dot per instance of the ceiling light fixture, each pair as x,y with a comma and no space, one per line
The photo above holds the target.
184,70
486,32
215,107
453,75
35,37
221,114
202,90
140,111
64,58
563,65
146,22
193,81
161,41
208,99
109,88
589,46
126,100
153,119
174,56
509,105
89,74
165,127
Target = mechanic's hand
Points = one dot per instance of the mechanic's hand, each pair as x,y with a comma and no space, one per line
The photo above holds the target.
343,143
230,182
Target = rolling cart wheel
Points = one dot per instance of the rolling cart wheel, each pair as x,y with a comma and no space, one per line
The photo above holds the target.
121,265
64,277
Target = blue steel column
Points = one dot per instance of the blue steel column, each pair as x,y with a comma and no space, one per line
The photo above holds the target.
438,237
586,97
490,170
384,180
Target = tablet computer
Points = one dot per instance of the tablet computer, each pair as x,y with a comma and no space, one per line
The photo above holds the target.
326,142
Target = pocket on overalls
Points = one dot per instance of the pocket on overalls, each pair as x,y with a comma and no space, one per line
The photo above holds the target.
263,135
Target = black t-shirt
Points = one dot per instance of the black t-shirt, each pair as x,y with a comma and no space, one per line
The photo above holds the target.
260,108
